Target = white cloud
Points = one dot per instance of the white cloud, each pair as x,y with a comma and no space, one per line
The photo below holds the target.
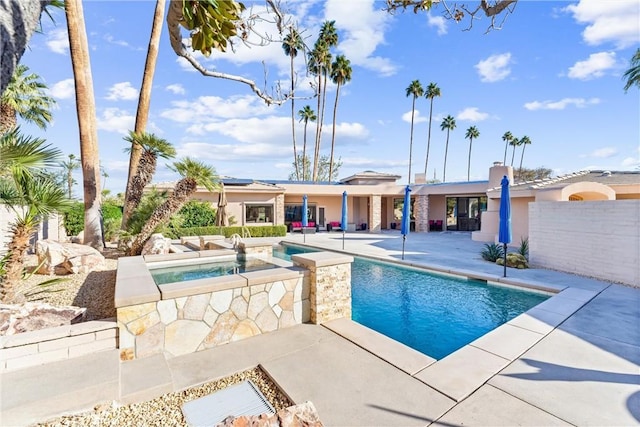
417,118
438,22
110,39
362,25
231,152
176,89
122,91
604,153
494,68
472,114
631,162
206,109
64,89
608,21
116,120
593,67
561,104
58,41
364,162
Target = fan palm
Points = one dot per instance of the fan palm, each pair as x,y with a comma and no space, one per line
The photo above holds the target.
507,138
194,173
291,44
431,92
449,123
415,90
515,142
151,148
472,132
633,73
340,74
68,166
26,97
306,115
318,58
524,141
30,195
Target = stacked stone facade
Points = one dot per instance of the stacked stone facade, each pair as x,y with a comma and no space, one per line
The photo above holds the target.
421,213
375,214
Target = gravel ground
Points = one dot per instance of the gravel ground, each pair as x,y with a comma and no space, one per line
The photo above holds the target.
166,410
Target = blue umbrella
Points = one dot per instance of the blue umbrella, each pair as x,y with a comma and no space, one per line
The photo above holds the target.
305,217
343,223
406,216
504,232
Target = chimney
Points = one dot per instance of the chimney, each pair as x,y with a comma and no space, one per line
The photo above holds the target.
421,178
497,171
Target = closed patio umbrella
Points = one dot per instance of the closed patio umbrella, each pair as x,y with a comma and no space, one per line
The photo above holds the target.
222,220
343,222
406,216
504,231
305,217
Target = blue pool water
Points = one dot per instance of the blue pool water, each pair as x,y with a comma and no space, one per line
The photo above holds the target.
431,313
188,272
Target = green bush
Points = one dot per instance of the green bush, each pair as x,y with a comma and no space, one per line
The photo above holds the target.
74,219
492,252
197,214
111,218
147,205
257,231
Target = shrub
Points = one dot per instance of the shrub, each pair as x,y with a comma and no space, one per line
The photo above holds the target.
74,219
524,248
492,252
257,231
197,214
143,212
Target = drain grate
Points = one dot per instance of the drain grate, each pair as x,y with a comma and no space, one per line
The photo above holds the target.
240,399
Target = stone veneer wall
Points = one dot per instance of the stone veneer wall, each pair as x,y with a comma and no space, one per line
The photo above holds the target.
422,213
375,214
279,214
255,250
188,324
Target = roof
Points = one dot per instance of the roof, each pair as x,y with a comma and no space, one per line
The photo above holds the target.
599,176
371,175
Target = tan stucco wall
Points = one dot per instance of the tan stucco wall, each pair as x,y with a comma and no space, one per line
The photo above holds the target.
599,239
438,208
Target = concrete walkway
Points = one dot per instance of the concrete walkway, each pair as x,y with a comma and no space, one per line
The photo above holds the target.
573,360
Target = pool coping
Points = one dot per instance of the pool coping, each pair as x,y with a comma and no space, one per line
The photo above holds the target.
464,371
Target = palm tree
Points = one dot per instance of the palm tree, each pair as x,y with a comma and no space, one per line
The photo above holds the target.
25,97
144,99
507,138
194,173
30,194
151,147
515,142
449,123
68,167
633,73
306,115
431,92
340,74
472,132
524,141
415,90
88,130
291,44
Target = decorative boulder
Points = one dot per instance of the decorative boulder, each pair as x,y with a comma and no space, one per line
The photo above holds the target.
514,260
79,238
303,415
18,318
67,258
157,244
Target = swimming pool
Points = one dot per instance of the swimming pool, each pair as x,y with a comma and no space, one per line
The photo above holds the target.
181,272
432,313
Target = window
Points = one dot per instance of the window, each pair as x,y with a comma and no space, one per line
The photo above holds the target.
293,213
398,205
258,213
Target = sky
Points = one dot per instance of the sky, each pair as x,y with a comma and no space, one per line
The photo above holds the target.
552,71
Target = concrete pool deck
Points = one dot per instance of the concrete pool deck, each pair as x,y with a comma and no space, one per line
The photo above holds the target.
573,360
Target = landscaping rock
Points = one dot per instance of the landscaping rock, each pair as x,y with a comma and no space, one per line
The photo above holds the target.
514,260
302,415
67,258
18,318
157,244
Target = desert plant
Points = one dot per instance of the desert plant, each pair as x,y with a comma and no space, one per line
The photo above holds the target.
492,252
197,214
524,248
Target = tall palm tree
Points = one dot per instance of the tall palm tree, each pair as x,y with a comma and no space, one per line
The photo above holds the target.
151,147
317,60
507,138
340,74
144,99
472,132
449,123
26,97
30,194
431,92
87,125
307,115
515,142
633,73
68,166
415,90
524,141
291,44
194,174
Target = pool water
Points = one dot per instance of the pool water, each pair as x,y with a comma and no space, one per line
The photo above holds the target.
434,314
188,272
